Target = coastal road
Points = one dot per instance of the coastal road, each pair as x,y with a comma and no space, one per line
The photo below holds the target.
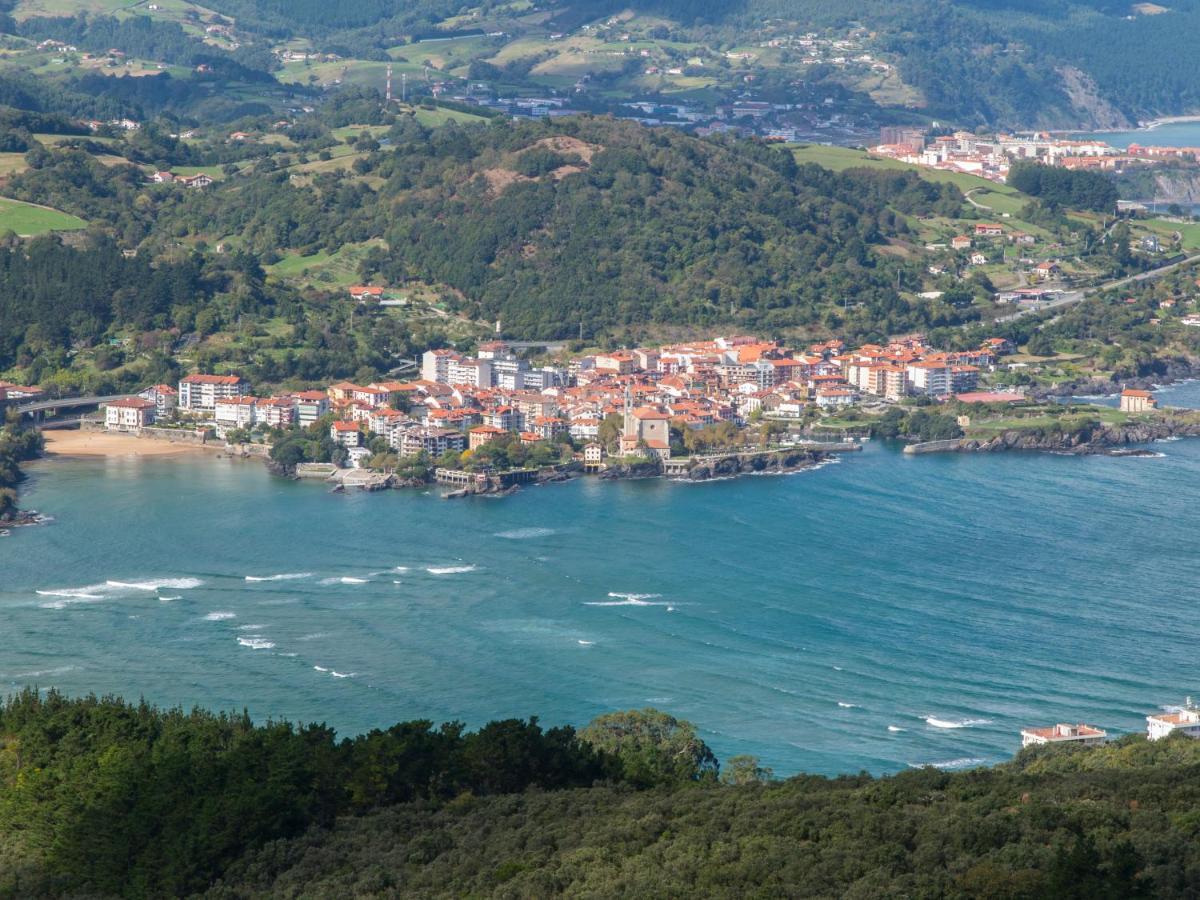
1071,297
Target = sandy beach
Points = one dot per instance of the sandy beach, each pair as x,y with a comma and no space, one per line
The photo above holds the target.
69,443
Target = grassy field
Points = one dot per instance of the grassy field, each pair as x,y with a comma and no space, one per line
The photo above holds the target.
27,219
12,163
323,269
1190,231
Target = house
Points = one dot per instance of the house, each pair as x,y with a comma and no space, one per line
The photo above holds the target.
435,365
200,393
130,414
988,229
1081,734
961,242
197,181
999,346
345,434
483,434
357,456
1184,721
365,292
1046,270
834,397
1134,401
1022,237
164,397
162,177
593,457
978,259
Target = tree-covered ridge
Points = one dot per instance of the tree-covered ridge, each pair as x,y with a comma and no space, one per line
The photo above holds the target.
629,226
102,798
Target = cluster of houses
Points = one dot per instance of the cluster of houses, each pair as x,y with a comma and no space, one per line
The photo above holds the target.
1185,720
992,157
462,402
198,181
18,393
985,236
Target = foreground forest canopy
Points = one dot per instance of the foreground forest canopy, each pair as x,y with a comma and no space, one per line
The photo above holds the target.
100,798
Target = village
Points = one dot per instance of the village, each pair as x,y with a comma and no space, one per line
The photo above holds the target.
601,409
992,156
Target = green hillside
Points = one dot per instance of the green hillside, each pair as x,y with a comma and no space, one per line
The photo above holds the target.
103,799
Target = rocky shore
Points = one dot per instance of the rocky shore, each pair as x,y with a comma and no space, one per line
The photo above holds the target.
1174,370
1103,439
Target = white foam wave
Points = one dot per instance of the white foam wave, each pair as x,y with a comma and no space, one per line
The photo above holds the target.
964,762
343,675
320,669
584,643
39,673
954,723
844,705
629,601
450,570
170,599
837,668
313,637
400,569
219,616
91,592
895,728
524,534
251,627
285,576
154,584
255,643
345,579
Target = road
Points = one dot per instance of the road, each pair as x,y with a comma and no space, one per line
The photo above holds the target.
1071,297
69,403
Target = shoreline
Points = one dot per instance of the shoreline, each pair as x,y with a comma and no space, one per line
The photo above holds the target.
76,444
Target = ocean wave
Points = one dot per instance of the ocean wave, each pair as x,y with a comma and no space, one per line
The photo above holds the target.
39,673
219,616
342,674
524,534
154,584
895,728
400,569
450,570
344,579
255,643
317,635
964,762
285,576
251,627
320,669
845,705
69,596
170,599
952,723
630,600
584,643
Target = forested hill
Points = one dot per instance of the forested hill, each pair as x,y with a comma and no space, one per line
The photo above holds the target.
103,799
590,220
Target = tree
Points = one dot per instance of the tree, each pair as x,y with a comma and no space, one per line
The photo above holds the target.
653,747
744,769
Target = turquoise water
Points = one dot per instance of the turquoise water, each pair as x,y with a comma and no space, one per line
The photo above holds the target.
1178,134
798,617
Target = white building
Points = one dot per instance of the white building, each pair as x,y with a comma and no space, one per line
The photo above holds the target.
1063,734
236,412
131,414
1185,721
474,372
930,378
200,393
435,365
164,397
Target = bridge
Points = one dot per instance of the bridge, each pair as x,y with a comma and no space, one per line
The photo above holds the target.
40,406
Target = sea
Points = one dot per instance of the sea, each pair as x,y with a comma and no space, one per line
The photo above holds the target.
877,613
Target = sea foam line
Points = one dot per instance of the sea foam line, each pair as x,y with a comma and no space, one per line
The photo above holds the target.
952,723
177,584
255,643
285,576
449,570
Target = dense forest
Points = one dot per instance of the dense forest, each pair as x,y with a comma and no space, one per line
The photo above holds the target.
546,225
102,798
1065,188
